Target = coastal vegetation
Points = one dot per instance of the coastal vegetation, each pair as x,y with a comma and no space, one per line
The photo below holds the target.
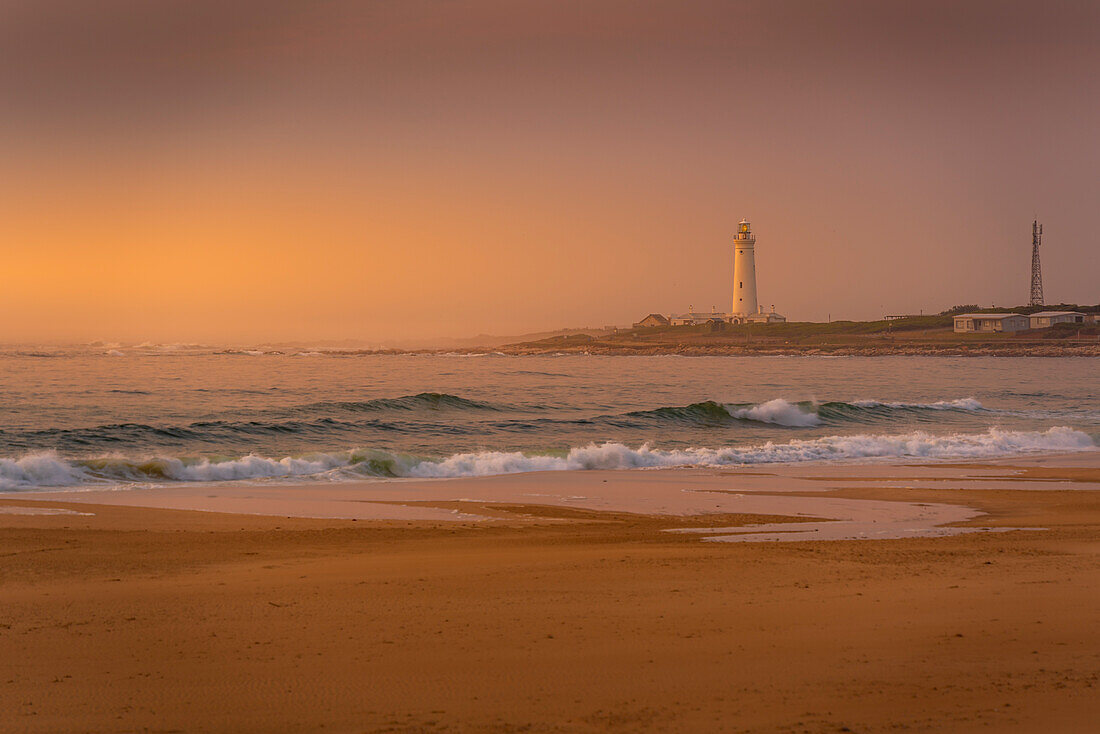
919,334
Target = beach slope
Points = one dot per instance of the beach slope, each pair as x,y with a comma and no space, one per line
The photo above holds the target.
555,614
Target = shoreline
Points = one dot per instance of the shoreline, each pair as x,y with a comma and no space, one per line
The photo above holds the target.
48,472
1089,349
846,350
1037,349
670,492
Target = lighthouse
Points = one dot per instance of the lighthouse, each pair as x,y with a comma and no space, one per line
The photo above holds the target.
745,309
744,271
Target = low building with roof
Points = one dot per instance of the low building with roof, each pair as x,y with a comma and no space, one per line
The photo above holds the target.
653,319
1043,319
990,323
760,317
695,318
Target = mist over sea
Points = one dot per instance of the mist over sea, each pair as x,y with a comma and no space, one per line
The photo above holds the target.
155,414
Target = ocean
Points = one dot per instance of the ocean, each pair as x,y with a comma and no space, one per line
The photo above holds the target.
97,416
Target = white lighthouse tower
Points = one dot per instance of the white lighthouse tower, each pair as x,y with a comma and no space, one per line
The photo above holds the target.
744,271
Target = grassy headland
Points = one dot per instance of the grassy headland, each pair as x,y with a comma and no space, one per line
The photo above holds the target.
915,335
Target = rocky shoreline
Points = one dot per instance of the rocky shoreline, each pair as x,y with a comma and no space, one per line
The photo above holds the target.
726,350
847,350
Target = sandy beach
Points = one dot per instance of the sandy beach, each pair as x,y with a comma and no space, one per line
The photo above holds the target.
562,601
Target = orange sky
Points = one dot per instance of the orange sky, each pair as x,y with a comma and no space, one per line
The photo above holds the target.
184,170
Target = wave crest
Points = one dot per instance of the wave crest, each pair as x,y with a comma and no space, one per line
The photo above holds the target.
966,404
407,403
776,412
779,412
803,414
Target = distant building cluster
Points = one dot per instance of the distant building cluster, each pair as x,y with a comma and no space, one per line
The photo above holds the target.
1013,321
989,323
745,309
1009,321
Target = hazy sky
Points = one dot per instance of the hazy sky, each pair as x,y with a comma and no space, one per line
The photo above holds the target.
218,170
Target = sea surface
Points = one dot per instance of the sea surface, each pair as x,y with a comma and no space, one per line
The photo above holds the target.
94,416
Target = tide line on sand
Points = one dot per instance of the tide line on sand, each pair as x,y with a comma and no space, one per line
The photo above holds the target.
788,491
18,510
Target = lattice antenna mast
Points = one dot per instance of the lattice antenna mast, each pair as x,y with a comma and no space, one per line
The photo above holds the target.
1036,270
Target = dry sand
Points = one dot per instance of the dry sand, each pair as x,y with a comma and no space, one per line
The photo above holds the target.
571,610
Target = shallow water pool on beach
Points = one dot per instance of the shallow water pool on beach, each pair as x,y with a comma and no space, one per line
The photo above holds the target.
94,416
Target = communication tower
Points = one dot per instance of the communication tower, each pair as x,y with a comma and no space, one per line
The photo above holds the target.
1036,270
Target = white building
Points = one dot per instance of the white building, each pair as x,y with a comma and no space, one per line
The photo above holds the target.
762,317
1043,319
988,323
695,318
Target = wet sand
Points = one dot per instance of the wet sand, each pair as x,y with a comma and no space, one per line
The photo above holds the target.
561,602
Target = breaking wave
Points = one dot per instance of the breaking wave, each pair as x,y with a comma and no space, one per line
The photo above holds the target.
51,470
829,448
803,414
779,412
48,469
432,415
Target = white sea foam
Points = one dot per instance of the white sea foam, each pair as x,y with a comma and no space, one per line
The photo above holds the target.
249,467
49,470
959,404
778,412
12,510
40,470
830,448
